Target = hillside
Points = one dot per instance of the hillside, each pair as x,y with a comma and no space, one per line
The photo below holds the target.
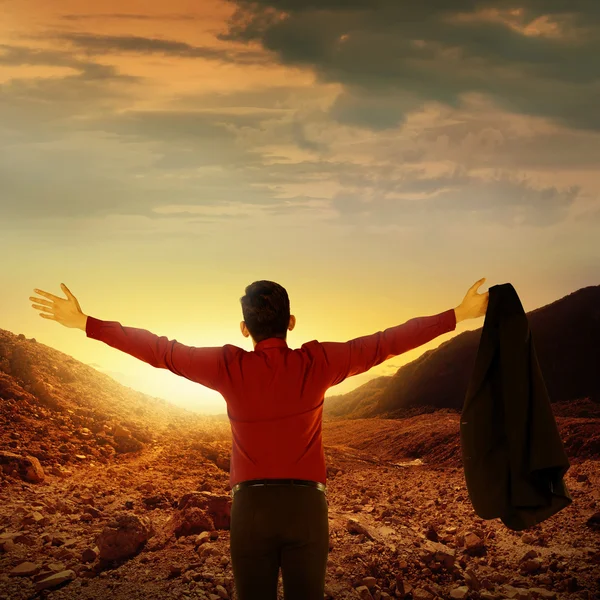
62,411
566,334
356,400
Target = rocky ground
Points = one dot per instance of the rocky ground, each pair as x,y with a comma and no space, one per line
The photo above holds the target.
109,493
154,524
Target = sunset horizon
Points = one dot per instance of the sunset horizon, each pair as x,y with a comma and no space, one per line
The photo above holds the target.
409,192
158,159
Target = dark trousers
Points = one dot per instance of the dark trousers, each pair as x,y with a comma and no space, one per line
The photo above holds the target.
275,526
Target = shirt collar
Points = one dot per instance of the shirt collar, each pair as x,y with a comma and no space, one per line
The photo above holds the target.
273,342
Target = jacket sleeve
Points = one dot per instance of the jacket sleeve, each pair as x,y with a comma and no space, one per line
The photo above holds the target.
202,365
344,359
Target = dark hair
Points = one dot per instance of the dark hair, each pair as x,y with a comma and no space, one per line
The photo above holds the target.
266,310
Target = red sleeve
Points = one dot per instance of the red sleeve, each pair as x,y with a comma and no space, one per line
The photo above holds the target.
344,359
202,365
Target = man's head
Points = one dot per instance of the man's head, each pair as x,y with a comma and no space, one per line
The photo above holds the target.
266,310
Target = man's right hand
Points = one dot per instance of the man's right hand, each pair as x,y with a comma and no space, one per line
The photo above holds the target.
66,312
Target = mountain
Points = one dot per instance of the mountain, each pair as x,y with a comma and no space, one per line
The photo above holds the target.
566,334
356,400
62,411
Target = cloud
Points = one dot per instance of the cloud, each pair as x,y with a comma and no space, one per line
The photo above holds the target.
88,70
323,151
503,200
395,56
129,163
46,108
129,16
98,44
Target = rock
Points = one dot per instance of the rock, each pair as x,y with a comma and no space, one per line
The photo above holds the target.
207,550
120,431
124,445
497,577
157,542
370,582
27,467
157,501
192,520
472,580
198,512
474,545
34,518
422,594
355,526
433,588
58,540
8,537
459,592
124,440
61,472
92,511
42,574
217,505
435,551
402,587
90,554
363,592
25,539
537,592
594,521
431,533
123,537
201,538
531,565
55,580
25,569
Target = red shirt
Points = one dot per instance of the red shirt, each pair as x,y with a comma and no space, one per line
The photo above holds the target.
274,394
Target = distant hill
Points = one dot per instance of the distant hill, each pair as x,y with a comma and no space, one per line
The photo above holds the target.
60,410
566,334
356,400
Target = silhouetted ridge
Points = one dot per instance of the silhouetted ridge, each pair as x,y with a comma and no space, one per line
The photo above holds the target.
566,334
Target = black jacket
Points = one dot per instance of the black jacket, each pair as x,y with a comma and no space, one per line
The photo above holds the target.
514,460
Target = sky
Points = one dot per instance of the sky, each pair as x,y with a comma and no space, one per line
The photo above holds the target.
374,157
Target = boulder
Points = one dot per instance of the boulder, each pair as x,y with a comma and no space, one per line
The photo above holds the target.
123,537
27,467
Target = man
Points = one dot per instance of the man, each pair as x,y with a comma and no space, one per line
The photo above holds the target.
274,396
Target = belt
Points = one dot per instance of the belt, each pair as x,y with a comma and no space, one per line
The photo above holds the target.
252,482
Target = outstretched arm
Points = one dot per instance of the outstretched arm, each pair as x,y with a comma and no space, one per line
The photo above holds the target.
202,365
344,359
